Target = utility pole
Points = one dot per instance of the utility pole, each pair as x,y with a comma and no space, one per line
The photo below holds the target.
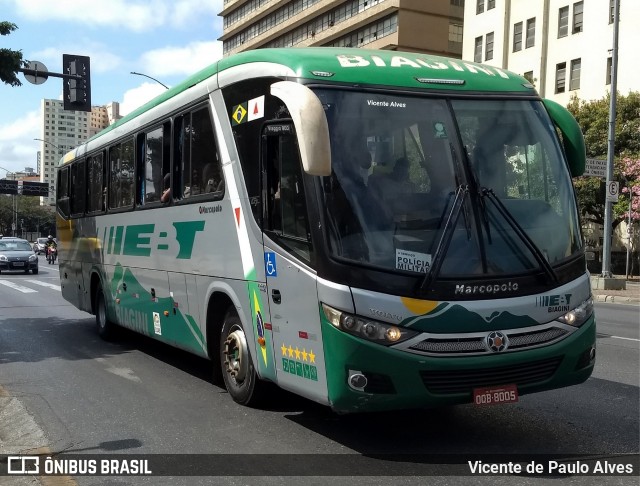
606,248
15,215
629,234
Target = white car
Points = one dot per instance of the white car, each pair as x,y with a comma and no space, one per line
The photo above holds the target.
40,245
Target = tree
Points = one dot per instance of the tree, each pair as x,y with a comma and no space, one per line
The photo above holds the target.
630,171
593,117
31,216
10,60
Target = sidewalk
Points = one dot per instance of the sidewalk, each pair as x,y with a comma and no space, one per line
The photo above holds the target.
19,434
629,296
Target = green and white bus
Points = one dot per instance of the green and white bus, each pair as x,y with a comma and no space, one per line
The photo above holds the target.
372,230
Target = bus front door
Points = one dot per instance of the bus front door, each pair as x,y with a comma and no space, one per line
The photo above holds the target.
297,340
291,282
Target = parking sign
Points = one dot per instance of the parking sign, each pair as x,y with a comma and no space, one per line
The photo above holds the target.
612,191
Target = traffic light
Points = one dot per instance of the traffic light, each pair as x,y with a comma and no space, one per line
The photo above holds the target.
8,187
35,188
77,89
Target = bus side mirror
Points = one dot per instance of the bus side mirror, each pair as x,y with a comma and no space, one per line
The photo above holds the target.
572,137
310,123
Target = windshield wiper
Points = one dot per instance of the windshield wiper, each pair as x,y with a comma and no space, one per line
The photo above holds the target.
539,256
480,212
465,212
445,239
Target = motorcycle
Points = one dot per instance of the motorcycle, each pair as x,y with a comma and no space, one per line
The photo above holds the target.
52,254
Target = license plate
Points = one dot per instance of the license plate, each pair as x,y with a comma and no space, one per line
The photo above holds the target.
18,264
495,395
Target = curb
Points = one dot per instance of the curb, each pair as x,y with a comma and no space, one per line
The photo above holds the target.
617,299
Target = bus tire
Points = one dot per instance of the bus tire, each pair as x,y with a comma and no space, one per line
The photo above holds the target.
106,328
239,374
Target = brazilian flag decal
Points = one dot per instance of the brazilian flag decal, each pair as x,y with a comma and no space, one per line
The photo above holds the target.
239,114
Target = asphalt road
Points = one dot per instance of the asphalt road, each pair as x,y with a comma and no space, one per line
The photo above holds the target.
137,396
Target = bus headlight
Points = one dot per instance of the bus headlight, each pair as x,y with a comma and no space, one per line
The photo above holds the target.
579,315
378,332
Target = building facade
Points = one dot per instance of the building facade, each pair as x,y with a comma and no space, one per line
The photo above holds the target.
62,130
563,47
433,26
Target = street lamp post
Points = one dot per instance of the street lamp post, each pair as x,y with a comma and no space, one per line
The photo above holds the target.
606,250
147,76
45,141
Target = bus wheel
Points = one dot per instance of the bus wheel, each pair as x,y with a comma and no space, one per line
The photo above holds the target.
238,372
106,328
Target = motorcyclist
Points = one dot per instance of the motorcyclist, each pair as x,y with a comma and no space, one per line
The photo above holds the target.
51,243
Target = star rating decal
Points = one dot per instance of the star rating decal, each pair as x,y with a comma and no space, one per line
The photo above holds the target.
299,362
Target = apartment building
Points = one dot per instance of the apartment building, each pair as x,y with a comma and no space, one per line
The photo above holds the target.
63,130
27,174
563,47
433,26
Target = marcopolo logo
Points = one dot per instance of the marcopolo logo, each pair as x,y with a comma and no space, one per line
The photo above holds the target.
486,289
497,341
210,209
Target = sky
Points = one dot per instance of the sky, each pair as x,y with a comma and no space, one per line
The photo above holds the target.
165,39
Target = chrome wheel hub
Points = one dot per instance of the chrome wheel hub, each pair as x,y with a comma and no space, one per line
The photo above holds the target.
236,356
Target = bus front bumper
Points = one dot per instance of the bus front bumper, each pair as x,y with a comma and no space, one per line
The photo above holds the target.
401,380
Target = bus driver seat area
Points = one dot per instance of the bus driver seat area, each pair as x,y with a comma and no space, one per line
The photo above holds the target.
350,203
489,160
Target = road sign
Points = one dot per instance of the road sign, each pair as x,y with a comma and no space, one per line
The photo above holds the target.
30,188
39,74
595,168
612,191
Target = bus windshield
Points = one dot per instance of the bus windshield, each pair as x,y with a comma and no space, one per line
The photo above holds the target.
470,187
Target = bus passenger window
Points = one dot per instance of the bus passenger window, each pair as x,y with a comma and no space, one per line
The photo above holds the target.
153,150
166,188
201,172
96,188
285,212
212,178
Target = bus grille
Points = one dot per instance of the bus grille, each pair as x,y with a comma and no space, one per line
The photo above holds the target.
526,339
464,381
477,345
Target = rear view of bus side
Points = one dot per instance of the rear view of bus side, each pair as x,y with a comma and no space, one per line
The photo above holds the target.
372,230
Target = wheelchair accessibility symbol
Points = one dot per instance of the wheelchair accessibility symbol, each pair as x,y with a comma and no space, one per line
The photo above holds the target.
270,264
